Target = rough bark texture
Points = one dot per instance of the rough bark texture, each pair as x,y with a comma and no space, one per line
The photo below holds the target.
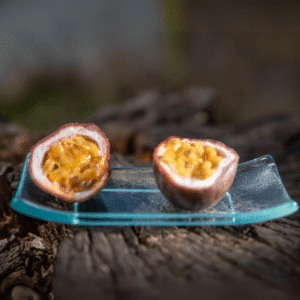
258,261
28,247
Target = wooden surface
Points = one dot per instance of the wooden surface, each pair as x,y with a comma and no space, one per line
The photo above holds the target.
258,261
262,258
46,260
28,247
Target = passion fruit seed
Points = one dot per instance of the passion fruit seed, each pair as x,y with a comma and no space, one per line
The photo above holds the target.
74,163
191,159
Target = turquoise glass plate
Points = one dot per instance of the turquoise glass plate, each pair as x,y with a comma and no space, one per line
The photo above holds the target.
131,198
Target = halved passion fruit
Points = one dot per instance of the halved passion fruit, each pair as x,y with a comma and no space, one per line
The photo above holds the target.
71,163
194,174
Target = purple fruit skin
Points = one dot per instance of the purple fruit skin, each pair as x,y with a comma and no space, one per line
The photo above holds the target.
65,196
194,199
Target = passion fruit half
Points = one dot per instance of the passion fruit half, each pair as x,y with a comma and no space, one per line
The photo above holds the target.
72,163
194,174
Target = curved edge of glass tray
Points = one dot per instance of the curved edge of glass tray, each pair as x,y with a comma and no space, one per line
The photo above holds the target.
131,198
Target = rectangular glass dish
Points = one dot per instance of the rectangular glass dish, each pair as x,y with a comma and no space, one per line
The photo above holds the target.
132,198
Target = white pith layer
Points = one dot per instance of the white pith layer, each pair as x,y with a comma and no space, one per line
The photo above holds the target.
196,183
68,133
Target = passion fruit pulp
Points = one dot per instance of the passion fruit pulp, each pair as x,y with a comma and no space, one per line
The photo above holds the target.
71,163
194,174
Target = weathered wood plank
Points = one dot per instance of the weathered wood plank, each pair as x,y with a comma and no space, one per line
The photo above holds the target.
148,262
139,260
180,255
172,254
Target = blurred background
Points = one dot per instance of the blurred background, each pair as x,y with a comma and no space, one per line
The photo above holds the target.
61,61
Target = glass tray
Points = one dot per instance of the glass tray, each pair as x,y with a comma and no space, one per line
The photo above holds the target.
131,198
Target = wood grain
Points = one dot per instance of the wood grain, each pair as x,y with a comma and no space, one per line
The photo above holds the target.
259,260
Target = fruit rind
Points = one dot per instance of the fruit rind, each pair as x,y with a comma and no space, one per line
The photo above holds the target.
39,150
191,193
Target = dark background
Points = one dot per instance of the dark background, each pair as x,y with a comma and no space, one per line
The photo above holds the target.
61,61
